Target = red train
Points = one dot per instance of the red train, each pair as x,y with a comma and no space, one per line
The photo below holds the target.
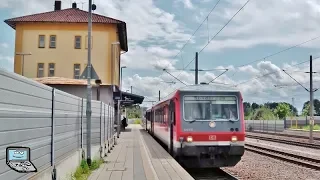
202,128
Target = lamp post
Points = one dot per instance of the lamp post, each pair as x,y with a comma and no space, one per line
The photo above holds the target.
23,54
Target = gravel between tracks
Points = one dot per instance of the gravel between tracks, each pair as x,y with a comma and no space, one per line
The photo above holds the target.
283,137
298,150
258,167
296,132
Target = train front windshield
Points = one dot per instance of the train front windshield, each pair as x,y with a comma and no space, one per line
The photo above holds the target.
197,108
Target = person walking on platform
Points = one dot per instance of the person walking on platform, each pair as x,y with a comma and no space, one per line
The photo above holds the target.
124,122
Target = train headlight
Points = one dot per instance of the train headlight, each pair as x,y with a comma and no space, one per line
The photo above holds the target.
234,138
189,139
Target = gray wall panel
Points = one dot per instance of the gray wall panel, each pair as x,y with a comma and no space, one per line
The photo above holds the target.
26,115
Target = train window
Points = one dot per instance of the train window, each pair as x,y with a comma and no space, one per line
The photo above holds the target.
210,107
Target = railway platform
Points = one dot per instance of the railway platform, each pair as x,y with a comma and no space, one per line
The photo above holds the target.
137,156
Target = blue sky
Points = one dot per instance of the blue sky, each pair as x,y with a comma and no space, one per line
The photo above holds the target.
157,30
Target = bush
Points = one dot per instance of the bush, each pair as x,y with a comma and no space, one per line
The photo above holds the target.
263,114
137,121
83,171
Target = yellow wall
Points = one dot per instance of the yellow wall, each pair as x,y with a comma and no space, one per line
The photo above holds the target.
65,55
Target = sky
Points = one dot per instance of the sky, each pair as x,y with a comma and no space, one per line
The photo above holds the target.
262,39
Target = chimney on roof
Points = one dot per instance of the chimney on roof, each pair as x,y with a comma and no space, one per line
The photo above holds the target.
74,5
57,5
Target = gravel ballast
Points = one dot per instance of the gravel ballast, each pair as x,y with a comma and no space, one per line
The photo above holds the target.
283,137
258,167
298,150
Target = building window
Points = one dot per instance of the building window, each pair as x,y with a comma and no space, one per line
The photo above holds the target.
77,42
53,39
51,70
40,69
76,71
87,40
42,42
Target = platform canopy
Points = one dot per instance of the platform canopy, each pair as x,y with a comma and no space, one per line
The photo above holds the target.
137,99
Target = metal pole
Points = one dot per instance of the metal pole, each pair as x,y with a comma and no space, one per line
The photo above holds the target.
81,124
101,130
52,136
22,65
131,89
98,92
159,95
196,68
89,90
118,119
311,101
121,78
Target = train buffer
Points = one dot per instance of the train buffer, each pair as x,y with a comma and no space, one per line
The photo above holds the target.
137,156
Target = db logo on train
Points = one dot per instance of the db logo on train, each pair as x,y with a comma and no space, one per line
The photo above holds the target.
212,137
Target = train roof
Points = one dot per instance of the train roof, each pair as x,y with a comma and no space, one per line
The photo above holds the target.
200,88
207,88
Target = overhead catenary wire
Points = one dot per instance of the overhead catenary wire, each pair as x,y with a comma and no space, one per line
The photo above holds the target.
206,18
194,32
258,77
276,53
219,31
215,35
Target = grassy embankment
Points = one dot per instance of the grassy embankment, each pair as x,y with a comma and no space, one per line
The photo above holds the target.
306,128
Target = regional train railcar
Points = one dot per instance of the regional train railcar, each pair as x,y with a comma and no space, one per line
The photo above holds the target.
207,128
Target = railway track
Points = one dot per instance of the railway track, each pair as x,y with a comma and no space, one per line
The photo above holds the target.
284,141
208,174
285,135
285,156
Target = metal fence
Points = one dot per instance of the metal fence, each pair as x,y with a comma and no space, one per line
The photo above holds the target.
265,125
300,121
51,122
278,125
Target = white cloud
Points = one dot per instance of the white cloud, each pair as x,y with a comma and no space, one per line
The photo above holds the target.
148,58
187,3
248,69
6,62
259,90
146,23
4,45
155,36
278,22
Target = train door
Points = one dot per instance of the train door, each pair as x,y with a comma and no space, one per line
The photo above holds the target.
172,123
152,122
146,120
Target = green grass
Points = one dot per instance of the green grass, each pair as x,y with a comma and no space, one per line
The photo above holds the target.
137,121
306,128
84,171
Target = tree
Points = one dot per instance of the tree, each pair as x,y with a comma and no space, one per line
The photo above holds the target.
273,106
316,106
247,108
282,110
305,111
255,106
263,113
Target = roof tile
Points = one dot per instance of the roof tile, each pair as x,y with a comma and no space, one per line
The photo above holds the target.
71,15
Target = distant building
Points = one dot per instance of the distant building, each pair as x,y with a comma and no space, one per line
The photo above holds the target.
58,42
